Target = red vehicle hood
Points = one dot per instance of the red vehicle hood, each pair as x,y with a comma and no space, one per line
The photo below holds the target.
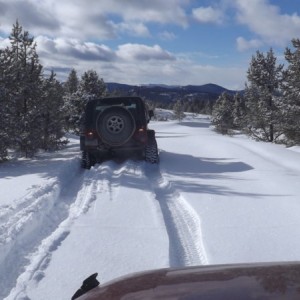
216,282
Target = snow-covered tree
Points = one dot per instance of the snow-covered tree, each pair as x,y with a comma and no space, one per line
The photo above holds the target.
4,137
291,94
90,87
178,110
239,111
222,114
22,82
70,96
72,83
264,75
53,114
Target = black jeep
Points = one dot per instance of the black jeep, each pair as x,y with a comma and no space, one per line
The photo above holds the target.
117,125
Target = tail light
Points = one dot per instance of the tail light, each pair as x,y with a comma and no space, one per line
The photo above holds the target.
90,134
141,135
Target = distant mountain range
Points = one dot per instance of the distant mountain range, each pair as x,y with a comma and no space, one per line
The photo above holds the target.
169,93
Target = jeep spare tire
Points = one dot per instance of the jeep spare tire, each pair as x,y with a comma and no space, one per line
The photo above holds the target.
115,125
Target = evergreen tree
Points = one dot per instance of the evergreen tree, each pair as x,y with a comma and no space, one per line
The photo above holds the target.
222,114
264,76
90,87
239,112
70,96
53,114
22,82
71,85
178,110
4,137
291,94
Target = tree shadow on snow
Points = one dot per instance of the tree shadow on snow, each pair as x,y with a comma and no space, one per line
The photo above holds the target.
204,124
188,165
47,164
187,168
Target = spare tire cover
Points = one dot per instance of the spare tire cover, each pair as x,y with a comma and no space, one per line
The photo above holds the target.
115,125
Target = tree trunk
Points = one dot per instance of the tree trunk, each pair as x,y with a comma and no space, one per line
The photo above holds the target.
271,133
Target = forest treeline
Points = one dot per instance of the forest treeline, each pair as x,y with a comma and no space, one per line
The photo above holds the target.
269,107
37,110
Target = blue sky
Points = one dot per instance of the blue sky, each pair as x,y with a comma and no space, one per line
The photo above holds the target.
176,42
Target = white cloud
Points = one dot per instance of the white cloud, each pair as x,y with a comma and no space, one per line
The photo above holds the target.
137,52
178,72
68,33
69,53
266,21
167,36
181,72
34,18
163,12
243,44
132,64
93,18
208,15
4,42
133,28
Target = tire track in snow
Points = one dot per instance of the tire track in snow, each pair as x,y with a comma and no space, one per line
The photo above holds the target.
113,175
44,230
181,220
96,180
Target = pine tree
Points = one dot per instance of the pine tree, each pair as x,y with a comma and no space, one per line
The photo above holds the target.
4,137
70,96
291,94
71,85
178,110
239,112
53,116
23,81
90,87
222,114
264,76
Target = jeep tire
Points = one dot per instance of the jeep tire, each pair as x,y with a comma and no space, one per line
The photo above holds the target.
115,125
151,150
87,160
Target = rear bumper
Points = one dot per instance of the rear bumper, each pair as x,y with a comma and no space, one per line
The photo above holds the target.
94,146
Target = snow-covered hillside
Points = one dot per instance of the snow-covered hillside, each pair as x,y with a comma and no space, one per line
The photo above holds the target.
213,199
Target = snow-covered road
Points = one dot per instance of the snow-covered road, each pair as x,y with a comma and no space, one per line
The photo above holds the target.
212,199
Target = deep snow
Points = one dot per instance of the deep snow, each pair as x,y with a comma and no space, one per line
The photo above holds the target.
213,199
